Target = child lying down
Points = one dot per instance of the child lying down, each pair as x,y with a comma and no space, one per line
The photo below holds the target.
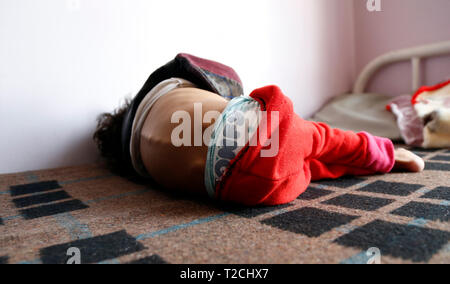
191,129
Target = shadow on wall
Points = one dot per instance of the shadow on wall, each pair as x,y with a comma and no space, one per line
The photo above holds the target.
76,152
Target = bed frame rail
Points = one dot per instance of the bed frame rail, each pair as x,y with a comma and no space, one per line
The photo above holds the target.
415,55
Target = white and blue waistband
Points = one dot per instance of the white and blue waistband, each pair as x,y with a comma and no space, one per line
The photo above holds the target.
233,130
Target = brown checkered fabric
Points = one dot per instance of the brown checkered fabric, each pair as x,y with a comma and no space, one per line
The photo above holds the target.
112,220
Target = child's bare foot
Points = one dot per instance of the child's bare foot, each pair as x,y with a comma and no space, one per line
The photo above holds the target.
407,161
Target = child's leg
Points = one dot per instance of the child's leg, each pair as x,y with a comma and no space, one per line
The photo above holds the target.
336,153
306,151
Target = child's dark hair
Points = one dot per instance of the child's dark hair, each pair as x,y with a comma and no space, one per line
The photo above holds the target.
107,136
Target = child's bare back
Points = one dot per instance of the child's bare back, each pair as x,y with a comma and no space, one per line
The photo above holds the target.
183,167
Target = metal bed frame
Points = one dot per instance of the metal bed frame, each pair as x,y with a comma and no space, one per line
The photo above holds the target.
414,54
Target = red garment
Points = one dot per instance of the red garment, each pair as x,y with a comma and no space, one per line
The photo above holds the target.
307,151
424,89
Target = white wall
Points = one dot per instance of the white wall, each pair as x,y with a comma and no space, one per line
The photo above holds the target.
62,62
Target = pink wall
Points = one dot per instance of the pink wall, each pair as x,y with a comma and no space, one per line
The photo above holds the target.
311,51
401,24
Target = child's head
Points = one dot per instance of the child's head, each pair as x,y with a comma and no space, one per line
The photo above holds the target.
107,136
